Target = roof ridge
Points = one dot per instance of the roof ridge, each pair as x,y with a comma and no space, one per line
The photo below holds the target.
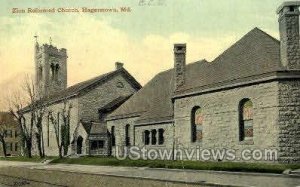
91,79
265,33
82,86
242,38
191,63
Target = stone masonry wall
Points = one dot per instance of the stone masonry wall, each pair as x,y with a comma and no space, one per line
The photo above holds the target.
289,121
168,139
221,119
136,135
90,102
51,149
120,132
84,107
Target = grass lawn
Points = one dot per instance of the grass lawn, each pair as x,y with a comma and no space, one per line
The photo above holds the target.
196,165
25,159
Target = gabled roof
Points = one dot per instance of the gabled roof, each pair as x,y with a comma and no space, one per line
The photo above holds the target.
87,126
255,54
83,87
114,103
92,128
98,128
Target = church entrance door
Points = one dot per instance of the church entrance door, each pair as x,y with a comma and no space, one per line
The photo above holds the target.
79,145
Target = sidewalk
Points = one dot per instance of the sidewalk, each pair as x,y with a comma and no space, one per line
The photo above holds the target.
175,175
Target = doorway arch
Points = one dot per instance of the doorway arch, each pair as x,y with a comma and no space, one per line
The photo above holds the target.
79,144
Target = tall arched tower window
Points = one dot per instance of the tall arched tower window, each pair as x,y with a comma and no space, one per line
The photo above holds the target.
56,71
52,71
246,120
196,124
40,76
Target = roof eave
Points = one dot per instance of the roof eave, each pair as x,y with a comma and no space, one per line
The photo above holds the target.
272,76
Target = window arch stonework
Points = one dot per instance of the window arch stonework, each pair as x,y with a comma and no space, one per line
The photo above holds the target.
197,124
246,120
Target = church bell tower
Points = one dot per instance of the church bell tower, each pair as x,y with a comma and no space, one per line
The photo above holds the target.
50,69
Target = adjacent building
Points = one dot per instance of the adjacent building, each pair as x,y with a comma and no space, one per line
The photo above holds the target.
10,129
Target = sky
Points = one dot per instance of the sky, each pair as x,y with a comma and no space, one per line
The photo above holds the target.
141,39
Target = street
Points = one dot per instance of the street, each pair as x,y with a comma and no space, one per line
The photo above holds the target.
38,174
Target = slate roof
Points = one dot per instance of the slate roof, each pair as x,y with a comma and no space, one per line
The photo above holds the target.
255,54
94,128
98,128
114,103
85,86
87,126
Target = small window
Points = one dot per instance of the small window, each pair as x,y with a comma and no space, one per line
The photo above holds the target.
93,145
153,137
146,137
127,137
16,133
97,144
161,138
246,119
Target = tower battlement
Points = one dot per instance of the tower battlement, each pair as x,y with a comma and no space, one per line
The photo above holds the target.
52,50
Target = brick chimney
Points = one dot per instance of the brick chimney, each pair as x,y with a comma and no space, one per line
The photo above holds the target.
289,34
179,64
119,65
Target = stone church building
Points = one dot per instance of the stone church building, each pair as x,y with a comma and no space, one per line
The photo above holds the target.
88,102
246,98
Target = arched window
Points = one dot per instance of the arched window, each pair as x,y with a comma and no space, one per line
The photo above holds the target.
146,137
127,137
56,71
153,137
40,73
196,124
113,137
52,71
246,119
161,138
